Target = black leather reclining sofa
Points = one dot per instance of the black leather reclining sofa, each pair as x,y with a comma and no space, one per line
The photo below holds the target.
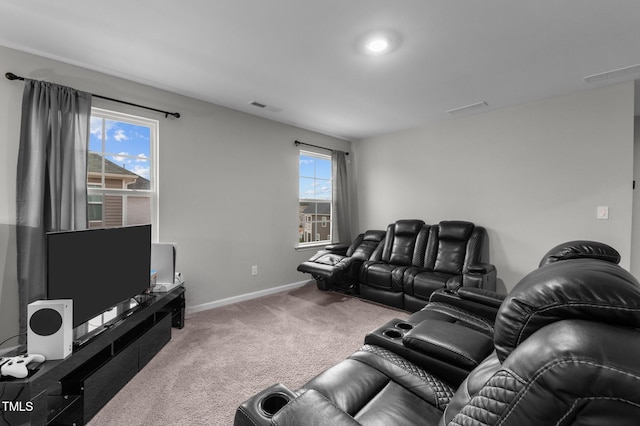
404,265
562,348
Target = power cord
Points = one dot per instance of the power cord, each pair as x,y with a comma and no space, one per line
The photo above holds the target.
12,337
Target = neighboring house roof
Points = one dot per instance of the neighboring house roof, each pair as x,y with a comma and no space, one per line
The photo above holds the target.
94,165
140,183
322,208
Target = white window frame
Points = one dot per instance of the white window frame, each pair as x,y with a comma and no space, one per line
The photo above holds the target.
100,203
323,222
154,138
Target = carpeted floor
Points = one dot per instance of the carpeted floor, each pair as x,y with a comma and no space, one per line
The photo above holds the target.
225,355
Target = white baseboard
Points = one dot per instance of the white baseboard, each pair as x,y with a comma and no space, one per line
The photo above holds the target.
243,297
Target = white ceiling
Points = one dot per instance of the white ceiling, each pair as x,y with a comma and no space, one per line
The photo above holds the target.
301,56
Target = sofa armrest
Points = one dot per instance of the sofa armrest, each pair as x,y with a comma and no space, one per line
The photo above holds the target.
480,275
481,268
450,342
312,409
340,249
481,295
483,307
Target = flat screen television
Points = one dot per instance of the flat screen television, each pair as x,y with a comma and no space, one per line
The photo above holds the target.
98,268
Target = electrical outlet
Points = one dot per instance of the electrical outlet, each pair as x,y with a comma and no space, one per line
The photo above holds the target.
254,270
602,212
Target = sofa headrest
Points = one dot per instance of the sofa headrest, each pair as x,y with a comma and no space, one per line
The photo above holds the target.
407,227
580,250
586,289
373,235
455,230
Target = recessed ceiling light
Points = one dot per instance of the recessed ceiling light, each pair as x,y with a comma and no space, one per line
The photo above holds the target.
378,42
377,45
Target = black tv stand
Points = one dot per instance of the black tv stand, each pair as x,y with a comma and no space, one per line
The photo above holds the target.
82,337
144,299
73,390
78,343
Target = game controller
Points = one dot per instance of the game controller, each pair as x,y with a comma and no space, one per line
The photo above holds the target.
17,366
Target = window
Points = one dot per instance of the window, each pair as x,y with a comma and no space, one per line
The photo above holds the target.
314,205
121,170
95,208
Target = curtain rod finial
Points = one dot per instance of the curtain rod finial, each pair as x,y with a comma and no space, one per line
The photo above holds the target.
12,76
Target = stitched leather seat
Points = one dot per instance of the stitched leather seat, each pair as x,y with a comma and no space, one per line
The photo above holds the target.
408,394
381,277
453,258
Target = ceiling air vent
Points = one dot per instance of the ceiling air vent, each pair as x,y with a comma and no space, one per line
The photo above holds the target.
634,69
264,106
466,108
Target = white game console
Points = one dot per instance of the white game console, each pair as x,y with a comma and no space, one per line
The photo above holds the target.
50,328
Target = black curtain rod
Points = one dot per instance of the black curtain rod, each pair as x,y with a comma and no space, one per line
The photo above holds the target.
316,146
12,76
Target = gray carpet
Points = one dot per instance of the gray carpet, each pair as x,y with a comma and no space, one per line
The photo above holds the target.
225,355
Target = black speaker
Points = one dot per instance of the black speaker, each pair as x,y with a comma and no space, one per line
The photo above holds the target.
50,329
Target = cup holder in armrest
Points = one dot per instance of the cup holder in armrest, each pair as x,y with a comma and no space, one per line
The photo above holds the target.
400,328
393,331
260,408
273,402
404,326
392,334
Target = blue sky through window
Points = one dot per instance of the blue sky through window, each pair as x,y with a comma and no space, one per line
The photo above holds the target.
315,177
127,145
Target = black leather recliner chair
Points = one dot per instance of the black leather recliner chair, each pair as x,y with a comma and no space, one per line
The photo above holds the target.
338,266
565,351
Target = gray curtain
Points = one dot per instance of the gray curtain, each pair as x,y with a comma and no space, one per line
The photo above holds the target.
341,211
51,192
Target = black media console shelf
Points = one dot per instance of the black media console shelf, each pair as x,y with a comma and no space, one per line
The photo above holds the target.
73,390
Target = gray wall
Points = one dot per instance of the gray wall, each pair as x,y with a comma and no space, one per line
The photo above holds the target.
228,185
635,235
533,175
